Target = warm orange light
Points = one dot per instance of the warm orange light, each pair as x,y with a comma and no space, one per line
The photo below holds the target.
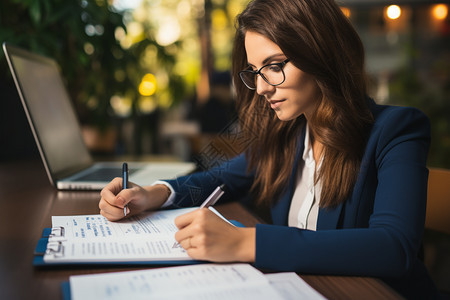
346,11
393,12
440,11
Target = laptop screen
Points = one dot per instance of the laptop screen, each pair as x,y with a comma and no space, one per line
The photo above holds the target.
49,111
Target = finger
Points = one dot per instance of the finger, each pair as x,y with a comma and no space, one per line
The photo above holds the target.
185,219
108,206
110,191
111,216
114,186
113,211
186,243
195,253
103,204
183,234
126,196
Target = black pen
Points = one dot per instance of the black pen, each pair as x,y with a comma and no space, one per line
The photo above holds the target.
212,199
125,183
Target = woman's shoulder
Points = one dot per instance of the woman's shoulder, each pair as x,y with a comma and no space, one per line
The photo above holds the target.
396,118
383,113
397,124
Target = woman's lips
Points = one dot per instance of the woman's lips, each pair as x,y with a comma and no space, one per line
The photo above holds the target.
275,103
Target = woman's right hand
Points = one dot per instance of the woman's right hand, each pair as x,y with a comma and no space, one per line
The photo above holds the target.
114,198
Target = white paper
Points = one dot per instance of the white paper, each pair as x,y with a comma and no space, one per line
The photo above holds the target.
92,238
98,227
291,287
207,281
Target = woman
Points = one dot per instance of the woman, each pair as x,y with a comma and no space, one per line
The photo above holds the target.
345,179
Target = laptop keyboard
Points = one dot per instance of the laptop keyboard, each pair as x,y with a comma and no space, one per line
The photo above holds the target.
104,174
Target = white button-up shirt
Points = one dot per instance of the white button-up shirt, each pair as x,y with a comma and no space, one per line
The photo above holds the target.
304,209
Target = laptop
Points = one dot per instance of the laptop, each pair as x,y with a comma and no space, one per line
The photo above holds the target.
52,118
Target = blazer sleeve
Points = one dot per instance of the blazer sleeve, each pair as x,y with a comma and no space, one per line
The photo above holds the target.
192,190
388,246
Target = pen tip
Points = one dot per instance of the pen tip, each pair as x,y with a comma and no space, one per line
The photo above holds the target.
222,187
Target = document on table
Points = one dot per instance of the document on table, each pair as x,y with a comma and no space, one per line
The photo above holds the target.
92,238
291,287
206,281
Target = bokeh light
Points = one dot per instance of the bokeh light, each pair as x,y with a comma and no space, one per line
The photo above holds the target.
346,11
393,12
440,11
147,87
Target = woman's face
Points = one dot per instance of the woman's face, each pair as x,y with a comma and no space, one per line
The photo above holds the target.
297,95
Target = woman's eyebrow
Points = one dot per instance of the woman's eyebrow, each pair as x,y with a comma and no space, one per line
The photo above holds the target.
268,59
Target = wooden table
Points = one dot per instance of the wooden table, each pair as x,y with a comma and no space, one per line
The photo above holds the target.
27,202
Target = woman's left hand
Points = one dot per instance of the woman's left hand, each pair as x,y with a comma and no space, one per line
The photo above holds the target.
205,236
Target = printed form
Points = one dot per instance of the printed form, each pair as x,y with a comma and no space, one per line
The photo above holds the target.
193,282
92,238
207,281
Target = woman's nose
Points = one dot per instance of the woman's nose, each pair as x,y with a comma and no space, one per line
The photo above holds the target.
262,87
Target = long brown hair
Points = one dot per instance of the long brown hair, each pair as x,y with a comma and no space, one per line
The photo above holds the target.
320,41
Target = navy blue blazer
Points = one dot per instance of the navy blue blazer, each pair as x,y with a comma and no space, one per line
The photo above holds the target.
376,232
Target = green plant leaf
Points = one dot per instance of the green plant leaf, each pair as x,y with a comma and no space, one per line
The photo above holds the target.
35,12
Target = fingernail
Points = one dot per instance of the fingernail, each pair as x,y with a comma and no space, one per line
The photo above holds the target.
128,211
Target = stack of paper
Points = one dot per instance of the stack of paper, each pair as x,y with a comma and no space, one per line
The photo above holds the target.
205,281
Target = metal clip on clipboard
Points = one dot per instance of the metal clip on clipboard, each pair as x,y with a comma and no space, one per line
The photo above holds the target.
57,232
56,249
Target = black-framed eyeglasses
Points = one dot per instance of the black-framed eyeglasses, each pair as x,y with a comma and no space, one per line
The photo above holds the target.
273,74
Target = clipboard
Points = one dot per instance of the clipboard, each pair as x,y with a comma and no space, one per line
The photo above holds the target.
44,246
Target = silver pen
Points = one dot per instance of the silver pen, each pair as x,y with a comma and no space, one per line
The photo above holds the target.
212,199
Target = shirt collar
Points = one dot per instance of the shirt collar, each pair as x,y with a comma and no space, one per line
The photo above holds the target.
308,155
308,151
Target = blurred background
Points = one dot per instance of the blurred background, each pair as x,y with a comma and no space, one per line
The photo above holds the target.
151,77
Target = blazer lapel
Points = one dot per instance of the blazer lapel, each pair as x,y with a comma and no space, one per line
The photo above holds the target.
329,217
